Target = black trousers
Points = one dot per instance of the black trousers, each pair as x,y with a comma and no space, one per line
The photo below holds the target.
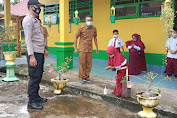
35,74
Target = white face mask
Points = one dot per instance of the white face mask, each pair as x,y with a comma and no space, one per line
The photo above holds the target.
111,55
174,35
89,23
116,36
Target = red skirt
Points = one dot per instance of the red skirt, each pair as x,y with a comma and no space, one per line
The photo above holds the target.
118,87
135,61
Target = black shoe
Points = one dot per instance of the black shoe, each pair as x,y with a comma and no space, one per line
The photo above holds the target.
34,105
41,100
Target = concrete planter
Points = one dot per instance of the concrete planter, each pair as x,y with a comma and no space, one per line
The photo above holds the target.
10,57
10,66
59,85
148,103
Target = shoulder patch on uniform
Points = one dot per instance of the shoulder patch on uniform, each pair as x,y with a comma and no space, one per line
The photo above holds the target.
29,24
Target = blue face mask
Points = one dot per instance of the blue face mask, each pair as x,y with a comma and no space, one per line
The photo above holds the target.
89,23
37,10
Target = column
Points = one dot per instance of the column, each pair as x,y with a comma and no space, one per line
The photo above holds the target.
64,47
7,14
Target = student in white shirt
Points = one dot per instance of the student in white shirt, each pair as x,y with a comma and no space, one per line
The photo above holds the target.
116,42
171,45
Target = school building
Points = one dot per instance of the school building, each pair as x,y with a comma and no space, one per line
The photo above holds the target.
132,16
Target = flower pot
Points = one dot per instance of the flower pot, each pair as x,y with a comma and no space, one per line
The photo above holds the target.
10,58
148,103
59,85
10,66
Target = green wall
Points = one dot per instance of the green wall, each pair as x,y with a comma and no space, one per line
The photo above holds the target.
151,59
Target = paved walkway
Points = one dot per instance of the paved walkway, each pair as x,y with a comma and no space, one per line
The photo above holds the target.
98,69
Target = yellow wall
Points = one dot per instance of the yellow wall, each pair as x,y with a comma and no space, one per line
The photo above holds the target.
150,29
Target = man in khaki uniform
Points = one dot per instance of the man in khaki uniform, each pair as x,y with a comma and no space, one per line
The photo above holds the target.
86,34
45,33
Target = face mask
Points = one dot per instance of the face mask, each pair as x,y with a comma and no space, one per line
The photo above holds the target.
174,35
115,36
134,39
111,55
37,10
89,23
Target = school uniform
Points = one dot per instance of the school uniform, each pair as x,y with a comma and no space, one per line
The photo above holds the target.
135,57
171,58
117,43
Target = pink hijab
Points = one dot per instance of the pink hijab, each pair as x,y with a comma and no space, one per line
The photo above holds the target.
117,60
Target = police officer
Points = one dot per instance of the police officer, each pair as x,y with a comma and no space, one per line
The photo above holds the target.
36,51
86,34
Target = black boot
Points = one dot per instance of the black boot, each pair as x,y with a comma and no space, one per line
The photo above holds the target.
41,100
34,105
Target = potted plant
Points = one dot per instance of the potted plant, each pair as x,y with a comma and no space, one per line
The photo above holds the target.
148,99
59,82
7,34
126,87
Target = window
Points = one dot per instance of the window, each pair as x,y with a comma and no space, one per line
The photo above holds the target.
136,8
126,11
150,9
84,8
53,11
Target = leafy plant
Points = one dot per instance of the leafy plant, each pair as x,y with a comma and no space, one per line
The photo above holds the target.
124,80
23,46
151,77
7,34
14,2
61,69
21,72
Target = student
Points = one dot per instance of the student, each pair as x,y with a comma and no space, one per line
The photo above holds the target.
116,42
135,47
171,45
116,61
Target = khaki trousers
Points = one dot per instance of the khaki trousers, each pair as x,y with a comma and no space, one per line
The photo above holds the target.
85,65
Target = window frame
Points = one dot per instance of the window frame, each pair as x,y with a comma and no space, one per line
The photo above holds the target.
126,6
53,14
82,11
72,9
138,8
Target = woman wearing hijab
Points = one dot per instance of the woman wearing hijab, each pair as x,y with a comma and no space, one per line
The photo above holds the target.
135,47
116,61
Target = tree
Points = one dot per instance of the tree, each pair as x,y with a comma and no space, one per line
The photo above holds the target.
15,2
1,7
